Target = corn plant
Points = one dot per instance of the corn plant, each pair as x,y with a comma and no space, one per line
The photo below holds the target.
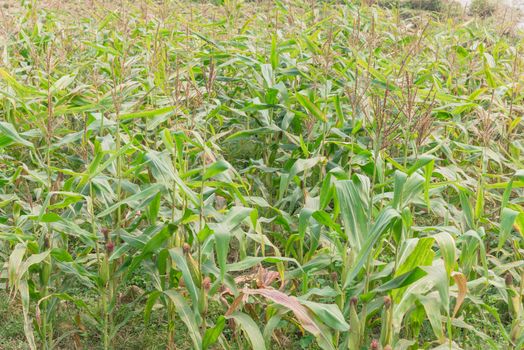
266,175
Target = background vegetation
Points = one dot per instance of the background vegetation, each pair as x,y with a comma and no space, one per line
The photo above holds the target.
272,174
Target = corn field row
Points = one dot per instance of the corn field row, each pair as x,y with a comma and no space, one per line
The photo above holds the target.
261,175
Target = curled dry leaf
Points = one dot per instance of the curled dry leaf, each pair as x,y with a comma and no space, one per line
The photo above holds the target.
461,282
302,314
263,278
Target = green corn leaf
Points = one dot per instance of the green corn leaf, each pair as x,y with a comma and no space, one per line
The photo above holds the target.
8,131
187,316
211,335
144,195
147,114
250,328
329,314
216,168
384,220
311,107
353,200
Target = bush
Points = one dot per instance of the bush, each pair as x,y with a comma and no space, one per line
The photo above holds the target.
482,8
427,5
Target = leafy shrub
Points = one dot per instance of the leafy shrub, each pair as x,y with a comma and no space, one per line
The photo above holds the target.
482,8
427,5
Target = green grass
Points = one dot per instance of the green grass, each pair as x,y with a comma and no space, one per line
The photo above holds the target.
11,325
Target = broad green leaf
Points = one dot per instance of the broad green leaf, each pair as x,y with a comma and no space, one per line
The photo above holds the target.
447,250
432,306
508,218
402,280
216,168
163,170
352,197
420,255
180,263
211,335
148,114
329,314
311,107
250,328
223,232
379,228
144,195
7,130
187,316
